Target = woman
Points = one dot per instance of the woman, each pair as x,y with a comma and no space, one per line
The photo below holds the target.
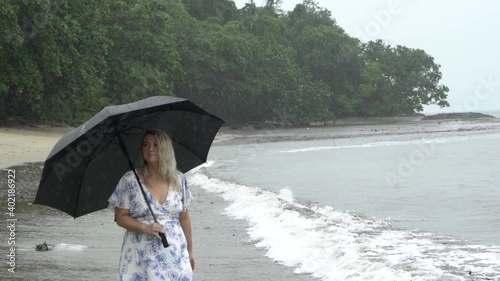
143,256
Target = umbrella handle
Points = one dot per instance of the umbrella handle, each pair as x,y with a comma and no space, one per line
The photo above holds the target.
164,240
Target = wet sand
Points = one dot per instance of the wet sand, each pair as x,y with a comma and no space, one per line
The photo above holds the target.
222,248
19,145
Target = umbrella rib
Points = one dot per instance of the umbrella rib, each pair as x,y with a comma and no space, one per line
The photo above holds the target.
81,184
93,156
102,149
136,126
107,144
203,158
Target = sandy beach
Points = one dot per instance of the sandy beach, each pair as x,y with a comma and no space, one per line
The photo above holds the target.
222,248
20,145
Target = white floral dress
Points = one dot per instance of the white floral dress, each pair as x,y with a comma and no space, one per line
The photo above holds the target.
143,257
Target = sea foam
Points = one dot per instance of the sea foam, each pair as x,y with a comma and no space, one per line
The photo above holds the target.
334,245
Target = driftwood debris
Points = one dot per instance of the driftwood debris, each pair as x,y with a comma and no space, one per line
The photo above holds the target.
44,247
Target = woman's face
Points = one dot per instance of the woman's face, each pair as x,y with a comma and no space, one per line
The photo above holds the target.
150,149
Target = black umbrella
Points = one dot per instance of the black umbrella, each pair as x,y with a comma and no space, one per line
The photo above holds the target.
85,165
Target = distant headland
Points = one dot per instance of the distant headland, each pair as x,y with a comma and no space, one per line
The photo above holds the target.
458,115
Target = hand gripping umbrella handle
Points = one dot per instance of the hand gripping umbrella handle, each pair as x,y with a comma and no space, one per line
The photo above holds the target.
124,148
164,240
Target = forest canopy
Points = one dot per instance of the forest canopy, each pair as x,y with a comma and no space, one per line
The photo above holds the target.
61,61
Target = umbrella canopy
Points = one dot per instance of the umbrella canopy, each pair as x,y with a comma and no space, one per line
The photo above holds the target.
85,165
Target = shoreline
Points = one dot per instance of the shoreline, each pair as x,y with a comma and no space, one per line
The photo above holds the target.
223,249
26,145
20,145
353,128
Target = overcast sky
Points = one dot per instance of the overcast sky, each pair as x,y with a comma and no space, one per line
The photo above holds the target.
462,36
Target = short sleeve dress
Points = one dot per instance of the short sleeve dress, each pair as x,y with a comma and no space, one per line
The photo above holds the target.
143,257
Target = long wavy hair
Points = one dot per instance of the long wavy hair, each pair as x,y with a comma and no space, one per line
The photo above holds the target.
167,162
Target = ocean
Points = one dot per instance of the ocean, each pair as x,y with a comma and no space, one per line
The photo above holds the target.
397,201
392,202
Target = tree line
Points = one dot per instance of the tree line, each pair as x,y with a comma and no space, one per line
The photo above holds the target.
61,61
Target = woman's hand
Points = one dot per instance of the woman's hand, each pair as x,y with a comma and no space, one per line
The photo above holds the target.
191,261
154,229
124,220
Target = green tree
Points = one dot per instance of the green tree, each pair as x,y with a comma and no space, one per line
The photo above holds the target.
223,10
327,53
243,70
418,78
287,93
399,80
63,60
52,59
143,59
309,14
375,95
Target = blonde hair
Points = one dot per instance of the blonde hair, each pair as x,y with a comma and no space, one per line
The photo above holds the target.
168,164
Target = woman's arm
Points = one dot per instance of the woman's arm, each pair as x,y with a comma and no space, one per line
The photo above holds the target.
185,220
124,220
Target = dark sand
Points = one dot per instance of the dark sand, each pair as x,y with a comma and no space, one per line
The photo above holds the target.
222,247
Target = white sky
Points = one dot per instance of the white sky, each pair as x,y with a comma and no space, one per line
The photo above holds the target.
462,36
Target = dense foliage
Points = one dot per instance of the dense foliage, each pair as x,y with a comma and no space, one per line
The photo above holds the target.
63,60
